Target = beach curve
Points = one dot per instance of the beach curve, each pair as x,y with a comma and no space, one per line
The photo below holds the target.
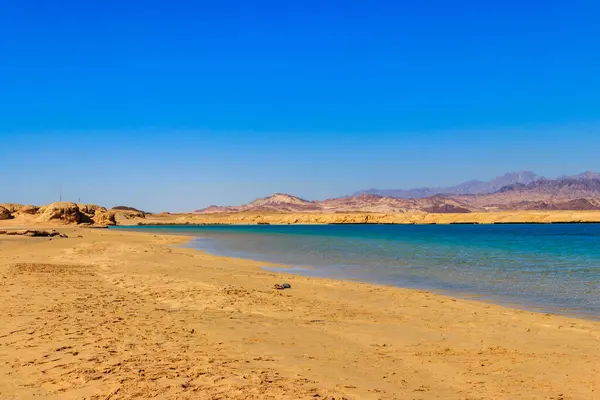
115,314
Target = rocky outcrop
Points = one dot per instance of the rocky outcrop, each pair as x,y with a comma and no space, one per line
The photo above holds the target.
60,212
11,207
94,214
63,212
70,213
90,209
104,218
28,210
125,217
5,213
19,209
126,208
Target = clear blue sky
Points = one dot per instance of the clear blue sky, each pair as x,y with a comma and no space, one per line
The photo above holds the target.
176,105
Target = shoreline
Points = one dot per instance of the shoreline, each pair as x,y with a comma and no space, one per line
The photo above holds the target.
456,295
459,295
499,300
360,223
204,325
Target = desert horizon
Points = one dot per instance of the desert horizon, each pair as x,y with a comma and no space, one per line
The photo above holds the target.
522,190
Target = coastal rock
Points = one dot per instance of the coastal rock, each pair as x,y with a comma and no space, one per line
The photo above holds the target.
65,212
104,218
94,214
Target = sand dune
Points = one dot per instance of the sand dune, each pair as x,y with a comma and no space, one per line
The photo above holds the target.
119,315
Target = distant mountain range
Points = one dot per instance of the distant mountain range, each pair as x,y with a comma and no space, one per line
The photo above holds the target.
513,191
468,187
281,202
473,186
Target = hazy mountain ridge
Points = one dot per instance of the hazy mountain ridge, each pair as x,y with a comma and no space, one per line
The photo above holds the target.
579,193
583,176
565,186
469,187
524,191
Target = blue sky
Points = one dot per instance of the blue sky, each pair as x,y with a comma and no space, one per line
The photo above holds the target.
177,105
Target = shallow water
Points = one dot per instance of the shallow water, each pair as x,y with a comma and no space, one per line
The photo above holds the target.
553,268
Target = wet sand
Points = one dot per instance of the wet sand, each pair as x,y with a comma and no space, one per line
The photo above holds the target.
121,315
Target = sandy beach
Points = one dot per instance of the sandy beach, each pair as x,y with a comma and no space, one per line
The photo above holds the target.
120,315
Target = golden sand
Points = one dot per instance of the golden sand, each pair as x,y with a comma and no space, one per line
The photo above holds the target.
122,315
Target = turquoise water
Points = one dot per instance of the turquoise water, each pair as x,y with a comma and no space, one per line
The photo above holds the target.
554,268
